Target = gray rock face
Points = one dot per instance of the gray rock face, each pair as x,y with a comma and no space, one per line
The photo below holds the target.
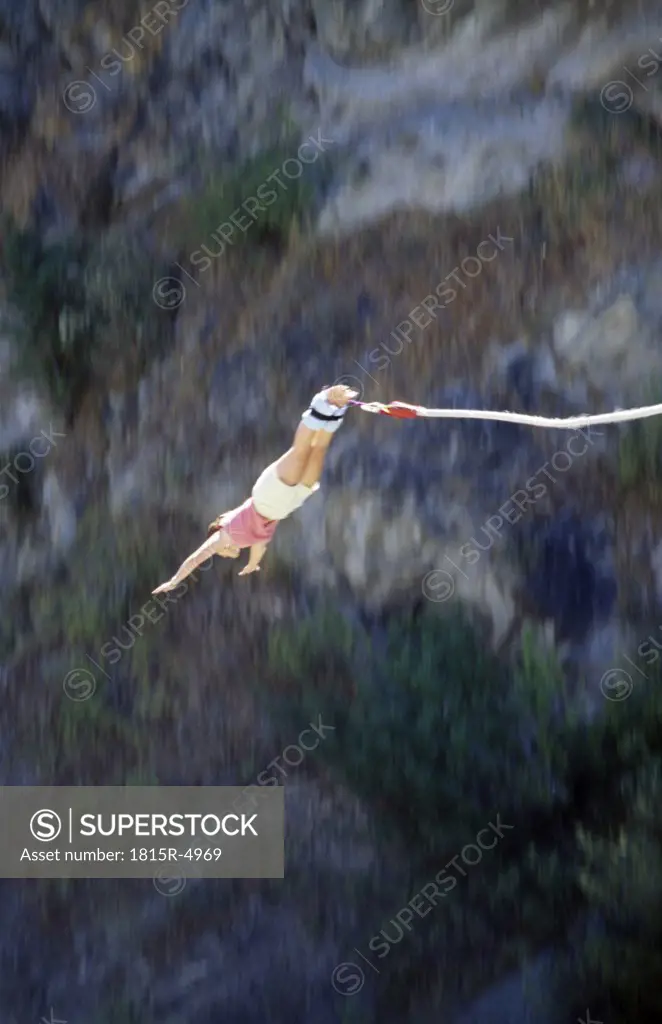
426,129
613,346
344,26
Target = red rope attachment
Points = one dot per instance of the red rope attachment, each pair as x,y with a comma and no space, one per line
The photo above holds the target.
398,410
402,411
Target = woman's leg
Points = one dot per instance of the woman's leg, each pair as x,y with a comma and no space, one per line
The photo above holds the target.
315,464
291,465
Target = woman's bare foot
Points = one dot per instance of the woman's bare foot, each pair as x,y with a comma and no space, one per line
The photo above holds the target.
340,395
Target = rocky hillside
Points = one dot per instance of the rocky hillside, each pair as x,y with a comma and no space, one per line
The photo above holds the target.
209,210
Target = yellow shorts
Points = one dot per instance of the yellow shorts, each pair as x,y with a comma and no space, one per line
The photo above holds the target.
275,500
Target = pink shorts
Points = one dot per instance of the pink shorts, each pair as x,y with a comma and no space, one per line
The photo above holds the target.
256,520
245,526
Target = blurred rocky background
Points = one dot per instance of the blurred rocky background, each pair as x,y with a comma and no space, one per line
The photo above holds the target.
466,212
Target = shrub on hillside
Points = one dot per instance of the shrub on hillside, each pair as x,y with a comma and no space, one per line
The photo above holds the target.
622,881
118,282
84,305
282,209
640,452
45,286
434,733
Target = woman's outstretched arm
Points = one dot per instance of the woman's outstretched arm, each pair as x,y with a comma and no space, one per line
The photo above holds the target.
211,546
254,558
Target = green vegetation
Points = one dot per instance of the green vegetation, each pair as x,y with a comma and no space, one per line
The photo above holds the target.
85,305
640,453
98,738
285,207
121,1011
622,881
127,560
617,129
438,736
431,693
619,873
44,285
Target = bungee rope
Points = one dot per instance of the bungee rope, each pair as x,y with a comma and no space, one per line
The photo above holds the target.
403,411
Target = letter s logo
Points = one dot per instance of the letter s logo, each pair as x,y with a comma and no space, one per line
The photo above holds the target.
45,825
